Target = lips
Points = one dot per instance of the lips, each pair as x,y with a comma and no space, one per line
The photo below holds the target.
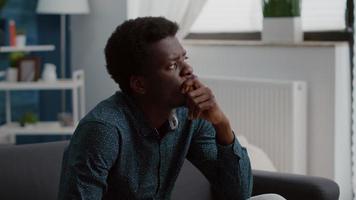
189,88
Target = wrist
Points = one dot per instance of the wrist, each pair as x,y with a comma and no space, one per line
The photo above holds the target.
222,121
224,133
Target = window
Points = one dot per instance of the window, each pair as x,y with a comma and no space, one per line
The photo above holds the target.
230,16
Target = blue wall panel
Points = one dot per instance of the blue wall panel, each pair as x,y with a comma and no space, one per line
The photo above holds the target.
40,29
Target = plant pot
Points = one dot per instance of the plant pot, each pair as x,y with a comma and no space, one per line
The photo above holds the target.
49,73
282,30
20,40
11,74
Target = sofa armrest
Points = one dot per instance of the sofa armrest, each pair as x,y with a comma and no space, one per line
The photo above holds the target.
294,187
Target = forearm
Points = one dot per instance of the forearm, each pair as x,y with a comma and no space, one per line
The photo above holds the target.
235,174
235,171
224,134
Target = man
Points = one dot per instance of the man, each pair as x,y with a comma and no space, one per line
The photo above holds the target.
133,144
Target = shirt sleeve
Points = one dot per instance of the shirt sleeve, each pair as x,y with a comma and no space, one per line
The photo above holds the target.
87,161
227,167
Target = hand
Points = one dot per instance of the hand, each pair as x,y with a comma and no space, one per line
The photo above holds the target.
201,102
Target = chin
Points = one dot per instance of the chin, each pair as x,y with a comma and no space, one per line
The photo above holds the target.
179,101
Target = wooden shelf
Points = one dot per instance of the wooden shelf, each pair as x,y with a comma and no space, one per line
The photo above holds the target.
10,129
41,85
40,128
8,49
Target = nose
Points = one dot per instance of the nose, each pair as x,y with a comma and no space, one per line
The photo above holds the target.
187,70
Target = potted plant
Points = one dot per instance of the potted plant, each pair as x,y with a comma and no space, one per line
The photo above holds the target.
282,21
12,71
28,118
20,38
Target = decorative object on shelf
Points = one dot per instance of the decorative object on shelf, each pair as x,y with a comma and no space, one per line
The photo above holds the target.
63,8
2,75
2,31
2,24
49,73
12,71
11,74
282,21
20,38
65,119
28,118
14,57
29,69
12,32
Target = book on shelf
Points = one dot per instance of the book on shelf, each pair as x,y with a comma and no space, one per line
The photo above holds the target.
12,32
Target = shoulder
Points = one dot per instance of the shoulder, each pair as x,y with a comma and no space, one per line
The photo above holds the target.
109,112
93,132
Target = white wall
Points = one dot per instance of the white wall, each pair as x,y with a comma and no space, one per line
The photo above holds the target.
326,69
89,34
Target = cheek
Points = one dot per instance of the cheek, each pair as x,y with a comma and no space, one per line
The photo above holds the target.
171,80
169,86
165,83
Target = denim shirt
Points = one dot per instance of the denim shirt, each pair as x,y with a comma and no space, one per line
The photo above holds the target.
114,154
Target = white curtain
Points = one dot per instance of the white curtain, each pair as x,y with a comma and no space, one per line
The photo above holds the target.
184,12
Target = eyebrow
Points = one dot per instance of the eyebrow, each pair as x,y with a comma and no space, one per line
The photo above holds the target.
176,57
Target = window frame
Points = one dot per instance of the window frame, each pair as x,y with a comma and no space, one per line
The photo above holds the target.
342,35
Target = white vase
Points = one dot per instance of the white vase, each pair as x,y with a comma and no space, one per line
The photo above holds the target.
49,73
11,74
20,40
282,30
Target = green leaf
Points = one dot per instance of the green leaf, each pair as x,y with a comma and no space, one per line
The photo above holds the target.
281,8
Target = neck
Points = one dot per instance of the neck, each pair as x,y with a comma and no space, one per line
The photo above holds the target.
155,114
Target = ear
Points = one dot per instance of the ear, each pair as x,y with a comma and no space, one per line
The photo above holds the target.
137,84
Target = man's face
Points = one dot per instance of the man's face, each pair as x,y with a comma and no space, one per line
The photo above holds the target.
168,70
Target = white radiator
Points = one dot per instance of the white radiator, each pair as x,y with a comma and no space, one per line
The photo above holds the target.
271,114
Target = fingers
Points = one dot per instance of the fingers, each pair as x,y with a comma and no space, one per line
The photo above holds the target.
200,93
187,87
200,100
197,111
191,83
199,97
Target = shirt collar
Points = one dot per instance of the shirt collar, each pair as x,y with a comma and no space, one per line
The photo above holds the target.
140,123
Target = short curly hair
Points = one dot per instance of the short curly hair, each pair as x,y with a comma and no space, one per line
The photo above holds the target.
126,51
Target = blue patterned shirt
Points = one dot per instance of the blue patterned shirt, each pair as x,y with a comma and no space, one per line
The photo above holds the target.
114,154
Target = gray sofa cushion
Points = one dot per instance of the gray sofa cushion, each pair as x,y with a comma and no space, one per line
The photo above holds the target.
31,172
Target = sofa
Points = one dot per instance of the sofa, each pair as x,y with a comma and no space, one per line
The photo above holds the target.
32,171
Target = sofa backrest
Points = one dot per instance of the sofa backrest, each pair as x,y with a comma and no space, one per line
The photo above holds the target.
32,171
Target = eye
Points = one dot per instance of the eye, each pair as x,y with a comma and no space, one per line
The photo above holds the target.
174,66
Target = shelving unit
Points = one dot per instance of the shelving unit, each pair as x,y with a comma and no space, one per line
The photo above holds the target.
9,49
10,129
76,85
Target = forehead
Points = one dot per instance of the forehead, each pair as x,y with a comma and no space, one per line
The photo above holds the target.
166,49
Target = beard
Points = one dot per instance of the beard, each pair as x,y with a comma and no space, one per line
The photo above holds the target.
167,95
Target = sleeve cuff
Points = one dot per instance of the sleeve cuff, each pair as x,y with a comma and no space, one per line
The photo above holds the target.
234,148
